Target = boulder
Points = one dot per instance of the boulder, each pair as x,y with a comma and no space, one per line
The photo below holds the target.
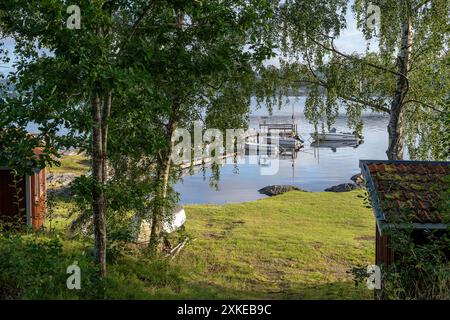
60,179
358,179
59,184
344,187
277,189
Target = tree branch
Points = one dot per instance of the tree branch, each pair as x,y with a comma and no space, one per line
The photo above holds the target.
140,18
347,56
423,104
345,97
324,84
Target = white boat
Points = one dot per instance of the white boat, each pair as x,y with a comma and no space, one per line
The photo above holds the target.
336,144
177,221
336,136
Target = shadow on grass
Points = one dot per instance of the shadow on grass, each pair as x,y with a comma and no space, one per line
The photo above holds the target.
328,291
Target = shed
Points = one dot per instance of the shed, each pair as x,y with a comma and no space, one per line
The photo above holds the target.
413,192
24,197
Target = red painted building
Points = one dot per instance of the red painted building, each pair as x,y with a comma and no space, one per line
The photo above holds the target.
24,197
406,193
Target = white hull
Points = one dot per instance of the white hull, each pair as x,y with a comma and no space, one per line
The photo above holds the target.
145,227
335,137
335,144
179,219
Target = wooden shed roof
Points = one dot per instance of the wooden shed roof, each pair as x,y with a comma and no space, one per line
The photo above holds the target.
414,192
37,153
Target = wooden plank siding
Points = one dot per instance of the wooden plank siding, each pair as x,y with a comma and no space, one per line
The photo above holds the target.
8,195
36,194
384,254
38,199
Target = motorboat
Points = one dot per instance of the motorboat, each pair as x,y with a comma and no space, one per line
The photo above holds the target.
332,135
334,145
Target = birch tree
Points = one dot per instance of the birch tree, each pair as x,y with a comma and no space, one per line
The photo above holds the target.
65,77
177,61
407,79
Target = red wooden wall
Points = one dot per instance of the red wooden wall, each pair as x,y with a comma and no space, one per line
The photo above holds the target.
9,211
383,254
38,198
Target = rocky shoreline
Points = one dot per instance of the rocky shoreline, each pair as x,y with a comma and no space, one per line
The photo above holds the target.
59,183
274,190
358,183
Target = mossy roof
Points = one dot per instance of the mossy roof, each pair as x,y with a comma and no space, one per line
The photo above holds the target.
408,191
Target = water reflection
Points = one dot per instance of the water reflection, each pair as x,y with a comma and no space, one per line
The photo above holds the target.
334,145
314,168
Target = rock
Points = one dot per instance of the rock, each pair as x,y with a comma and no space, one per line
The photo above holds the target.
60,179
358,179
278,189
70,152
59,184
344,187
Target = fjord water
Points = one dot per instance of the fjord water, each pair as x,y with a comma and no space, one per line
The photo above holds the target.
313,169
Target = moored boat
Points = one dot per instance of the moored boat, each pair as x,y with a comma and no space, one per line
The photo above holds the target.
332,135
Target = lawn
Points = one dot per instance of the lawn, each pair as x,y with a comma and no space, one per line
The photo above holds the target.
300,245
295,246
77,164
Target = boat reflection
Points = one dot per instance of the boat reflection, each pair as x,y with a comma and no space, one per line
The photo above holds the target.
334,145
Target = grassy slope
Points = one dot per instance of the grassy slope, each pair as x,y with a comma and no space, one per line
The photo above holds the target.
77,164
294,246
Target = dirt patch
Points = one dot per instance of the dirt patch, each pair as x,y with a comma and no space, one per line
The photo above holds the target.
212,235
365,238
233,224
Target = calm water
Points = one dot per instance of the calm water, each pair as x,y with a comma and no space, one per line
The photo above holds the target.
313,169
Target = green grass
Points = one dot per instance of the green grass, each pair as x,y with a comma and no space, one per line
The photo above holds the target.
299,245
58,209
77,164
295,246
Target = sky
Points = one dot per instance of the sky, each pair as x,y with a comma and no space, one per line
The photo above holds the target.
351,40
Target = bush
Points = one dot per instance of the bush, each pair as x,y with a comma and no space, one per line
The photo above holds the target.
34,267
421,270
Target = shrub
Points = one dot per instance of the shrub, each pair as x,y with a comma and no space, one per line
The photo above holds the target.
34,267
421,269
